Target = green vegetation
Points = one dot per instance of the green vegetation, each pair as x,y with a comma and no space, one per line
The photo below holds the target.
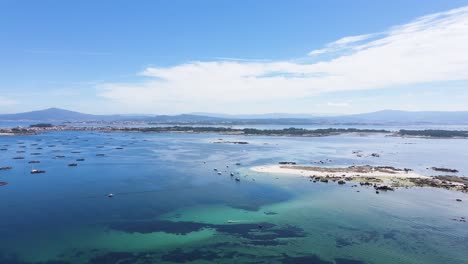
42,125
252,131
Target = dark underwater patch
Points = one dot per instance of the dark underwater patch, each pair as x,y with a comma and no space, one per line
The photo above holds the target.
180,256
310,259
143,227
111,257
348,261
266,243
122,258
261,234
11,259
341,242
314,259
391,234
270,213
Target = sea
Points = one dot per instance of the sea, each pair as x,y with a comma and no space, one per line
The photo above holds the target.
157,198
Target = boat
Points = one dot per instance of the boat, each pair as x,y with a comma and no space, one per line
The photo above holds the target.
34,161
238,179
59,156
6,168
72,165
37,171
99,155
80,159
110,195
18,158
232,174
219,173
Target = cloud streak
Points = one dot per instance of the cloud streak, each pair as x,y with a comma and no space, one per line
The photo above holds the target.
7,102
429,49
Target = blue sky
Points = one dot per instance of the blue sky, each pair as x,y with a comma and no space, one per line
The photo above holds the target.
168,57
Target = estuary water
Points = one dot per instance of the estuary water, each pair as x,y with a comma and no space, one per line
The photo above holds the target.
169,205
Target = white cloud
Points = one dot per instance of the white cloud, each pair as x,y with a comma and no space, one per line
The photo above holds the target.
428,49
338,104
342,44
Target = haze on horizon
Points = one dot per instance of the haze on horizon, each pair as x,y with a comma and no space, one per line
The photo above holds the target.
237,57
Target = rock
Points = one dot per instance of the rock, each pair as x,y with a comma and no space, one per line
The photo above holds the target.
444,169
384,188
287,163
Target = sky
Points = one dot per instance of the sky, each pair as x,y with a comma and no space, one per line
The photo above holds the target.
235,57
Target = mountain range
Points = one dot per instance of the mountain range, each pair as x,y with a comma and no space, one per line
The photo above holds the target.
379,117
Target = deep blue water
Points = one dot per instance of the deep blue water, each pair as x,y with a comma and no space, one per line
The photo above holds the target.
169,205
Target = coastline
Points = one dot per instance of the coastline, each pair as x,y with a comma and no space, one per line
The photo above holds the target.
380,177
286,132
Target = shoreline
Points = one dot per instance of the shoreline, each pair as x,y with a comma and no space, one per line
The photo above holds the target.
286,132
380,177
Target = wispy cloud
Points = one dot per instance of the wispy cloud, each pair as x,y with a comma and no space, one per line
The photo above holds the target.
342,44
429,49
7,102
338,104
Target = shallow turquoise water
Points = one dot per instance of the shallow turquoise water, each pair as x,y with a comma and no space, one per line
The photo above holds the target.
169,204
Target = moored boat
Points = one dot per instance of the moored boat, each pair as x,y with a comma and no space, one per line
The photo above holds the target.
37,171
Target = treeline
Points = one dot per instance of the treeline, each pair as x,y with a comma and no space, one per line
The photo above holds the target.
253,131
41,125
302,131
434,133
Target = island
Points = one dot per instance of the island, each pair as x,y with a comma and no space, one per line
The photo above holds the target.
380,177
289,132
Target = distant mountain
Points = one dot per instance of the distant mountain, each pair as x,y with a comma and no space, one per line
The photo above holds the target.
57,114
259,116
406,117
380,117
184,118
50,114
